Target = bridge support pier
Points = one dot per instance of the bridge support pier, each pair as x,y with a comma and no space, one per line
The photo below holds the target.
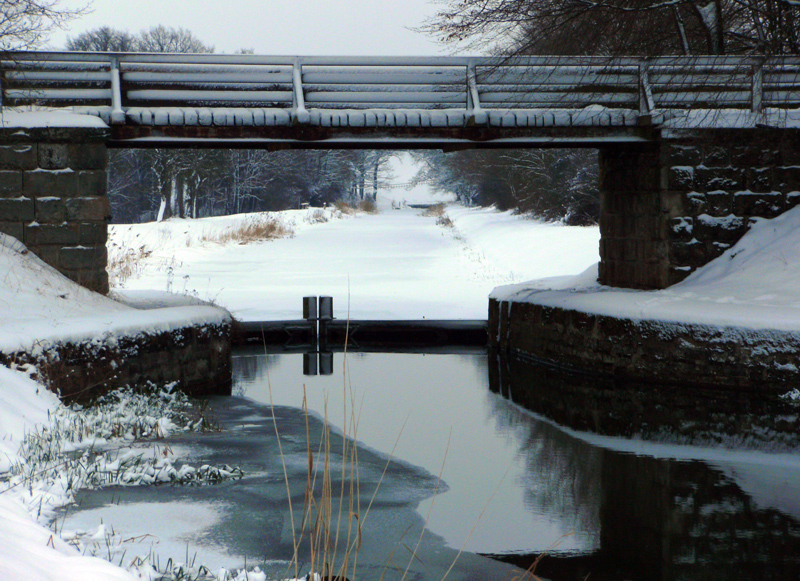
53,185
669,207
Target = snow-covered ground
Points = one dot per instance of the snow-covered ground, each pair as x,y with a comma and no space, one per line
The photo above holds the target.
753,285
39,306
397,264
29,550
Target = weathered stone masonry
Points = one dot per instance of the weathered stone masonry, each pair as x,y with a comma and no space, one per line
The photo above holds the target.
733,359
53,185
197,357
673,205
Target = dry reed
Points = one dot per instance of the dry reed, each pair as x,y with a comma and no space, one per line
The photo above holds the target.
434,211
255,229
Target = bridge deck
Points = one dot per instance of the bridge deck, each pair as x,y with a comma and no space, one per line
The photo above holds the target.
425,100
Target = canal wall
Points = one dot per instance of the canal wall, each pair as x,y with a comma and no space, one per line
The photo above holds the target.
192,351
649,351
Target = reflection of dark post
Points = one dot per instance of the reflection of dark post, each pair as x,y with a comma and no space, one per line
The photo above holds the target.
310,363
326,363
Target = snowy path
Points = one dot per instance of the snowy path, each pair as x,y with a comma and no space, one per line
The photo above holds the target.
393,265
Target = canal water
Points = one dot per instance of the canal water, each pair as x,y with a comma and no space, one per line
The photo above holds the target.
451,462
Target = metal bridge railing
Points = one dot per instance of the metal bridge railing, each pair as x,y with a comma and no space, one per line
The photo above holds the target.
123,82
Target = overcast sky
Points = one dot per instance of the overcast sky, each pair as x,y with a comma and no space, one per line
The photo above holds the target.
279,27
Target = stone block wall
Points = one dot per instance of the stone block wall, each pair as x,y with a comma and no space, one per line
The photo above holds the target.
671,207
648,351
633,250
196,357
53,185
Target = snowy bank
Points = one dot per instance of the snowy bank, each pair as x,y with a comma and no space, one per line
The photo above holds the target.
733,323
753,285
394,265
29,550
79,338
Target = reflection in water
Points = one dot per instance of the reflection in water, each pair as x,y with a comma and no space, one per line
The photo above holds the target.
561,472
439,410
701,517
615,484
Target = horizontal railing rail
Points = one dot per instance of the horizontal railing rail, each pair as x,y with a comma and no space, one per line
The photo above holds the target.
125,82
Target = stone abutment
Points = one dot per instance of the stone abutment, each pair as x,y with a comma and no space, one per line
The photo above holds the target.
53,185
673,205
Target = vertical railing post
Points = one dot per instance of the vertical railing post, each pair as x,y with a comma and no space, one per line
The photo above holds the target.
646,103
474,109
299,112
757,88
117,113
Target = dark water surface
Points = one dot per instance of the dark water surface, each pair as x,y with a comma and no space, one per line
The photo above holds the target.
512,483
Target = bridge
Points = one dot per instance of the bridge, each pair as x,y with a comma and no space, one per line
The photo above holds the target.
221,100
691,148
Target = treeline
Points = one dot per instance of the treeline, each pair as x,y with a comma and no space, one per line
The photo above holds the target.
156,184
555,184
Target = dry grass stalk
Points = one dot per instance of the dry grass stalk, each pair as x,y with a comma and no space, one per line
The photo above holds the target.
434,211
345,207
256,229
317,216
445,221
124,264
368,206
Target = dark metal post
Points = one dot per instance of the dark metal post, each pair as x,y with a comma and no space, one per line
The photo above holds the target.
318,313
325,316
310,315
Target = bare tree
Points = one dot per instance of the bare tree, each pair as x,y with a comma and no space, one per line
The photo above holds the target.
104,39
26,24
167,39
614,27
554,184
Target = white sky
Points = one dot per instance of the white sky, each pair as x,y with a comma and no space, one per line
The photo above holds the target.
275,27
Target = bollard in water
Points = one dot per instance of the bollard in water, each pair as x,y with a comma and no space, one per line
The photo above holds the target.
310,315
325,308
310,308
325,316
318,313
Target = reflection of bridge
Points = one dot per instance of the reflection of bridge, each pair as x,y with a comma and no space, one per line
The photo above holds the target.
690,147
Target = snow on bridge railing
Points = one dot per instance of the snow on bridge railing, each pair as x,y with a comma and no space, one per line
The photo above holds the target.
146,87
